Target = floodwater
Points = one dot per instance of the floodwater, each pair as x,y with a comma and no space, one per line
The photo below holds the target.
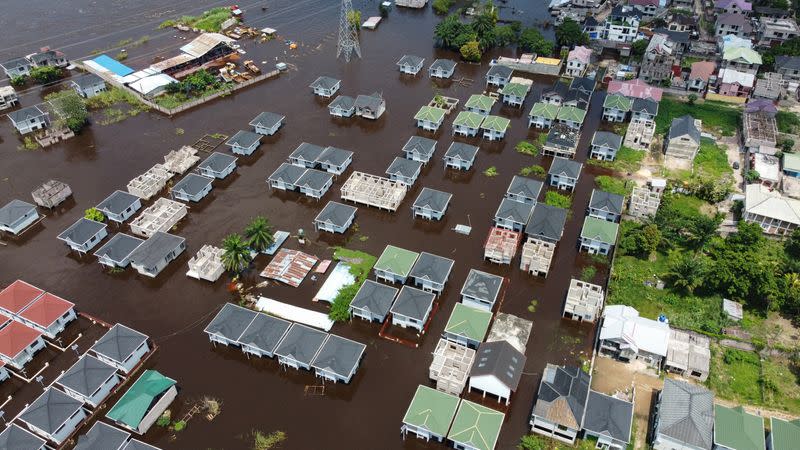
174,309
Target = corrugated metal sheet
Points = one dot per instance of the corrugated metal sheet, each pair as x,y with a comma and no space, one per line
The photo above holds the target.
290,267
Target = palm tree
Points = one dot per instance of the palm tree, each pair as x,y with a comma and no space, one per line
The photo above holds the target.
686,271
259,234
236,255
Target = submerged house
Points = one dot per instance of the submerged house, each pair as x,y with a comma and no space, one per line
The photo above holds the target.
54,415
524,190
460,156
481,290
683,417
479,103
267,123
286,176
229,323
305,155
102,436
89,380
404,170
564,173
17,67
412,308
616,107
263,335
338,359
394,264
29,119
495,127
17,215
571,116
117,251
206,264
121,347
373,301
431,272
430,118
83,235
467,326
605,145
192,188
498,75
315,183
561,141
120,206
442,68
419,149
19,343
475,427
605,205
370,106
342,106
467,123
514,94
48,314
410,64
144,402
244,142
450,366
160,216
431,204
560,403
497,370
542,115
325,86
299,346
512,215
546,223
334,160
429,414
153,256
598,236
335,217
88,85
584,301
217,165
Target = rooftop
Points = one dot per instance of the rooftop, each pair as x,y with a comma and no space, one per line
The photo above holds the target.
512,329
482,285
336,214
155,249
81,231
192,184
46,309
468,119
547,110
289,266
244,138
264,332
469,322
562,396
687,414
131,408
432,199
325,82
476,426
267,119
339,355
432,268
16,337
102,437
230,322
86,375
501,360
431,410
119,343
547,222
495,123
608,416
117,202
374,297
17,295
413,302
565,167
396,260
421,145
50,410
301,343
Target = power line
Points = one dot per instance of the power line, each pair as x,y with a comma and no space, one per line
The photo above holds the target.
348,34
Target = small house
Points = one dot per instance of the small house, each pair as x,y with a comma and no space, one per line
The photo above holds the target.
598,236
404,170
286,176
524,190
700,75
117,251
605,145
460,156
616,107
267,123
334,160
513,94
410,64
17,296
561,403
626,336
430,118
373,301
89,380
305,155
299,346
475,427
609,420
17,215
429,414
683,139
144,402
121,347
498,75
788,67
481,290
335,218
16,437
338,359
584,301
19,343
88,85
512,215
228,324
17,67
644,110
688,354
153,256
244,142
48,314
206,264
494,127
577,61
497,370
325,86
783,435
467,325
564,173
83,235
561,141
419,149
481,104
442,68
571,116
683,417
546,223
431,204
467,123
412,308
734,83
47,57
102,436
8,97
394,264
315,183
120,206
542,115
192,188
605,205
556,94
263,335
29,119
736,429
54,415
370,106
217,165
431,272
342,106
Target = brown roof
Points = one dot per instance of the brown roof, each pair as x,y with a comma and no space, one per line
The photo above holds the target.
702,70
289,266
18,295
46,310
15,337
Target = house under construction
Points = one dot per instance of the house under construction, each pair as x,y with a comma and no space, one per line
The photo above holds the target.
206,264
646,200
759,133
451,366
639,135
411,3
501,245
160,216
512,329
148,184
584,301
537,255
179,161
375,191
51,193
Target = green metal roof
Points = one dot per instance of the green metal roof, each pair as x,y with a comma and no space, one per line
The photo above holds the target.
469,322
479,101
468,119
430,113
784,435
519,90
132,407
748,54
735,428
432,410
496,123
791,161
546,110
618,101
396,260
571,114
599,230
476,426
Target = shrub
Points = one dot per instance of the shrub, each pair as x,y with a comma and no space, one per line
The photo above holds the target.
179,425
588,273
45,74
71,108
526,148
612,185
532,442
558,200
441,7
491,172
354,18
19,80
94,214
471,51
263,441
534,171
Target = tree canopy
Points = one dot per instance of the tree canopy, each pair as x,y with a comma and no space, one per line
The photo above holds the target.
532,40
570,33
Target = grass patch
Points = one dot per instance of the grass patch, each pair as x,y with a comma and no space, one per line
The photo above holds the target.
109,100
716,116
171,101
781,388
558,200
210,20
526,148
628,160
613,185
533,171
491,172
788,122
735,375
687,205
263,441
360,264
712,160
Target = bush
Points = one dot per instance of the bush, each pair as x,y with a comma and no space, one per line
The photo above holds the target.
340,307
491,172
46,74
94,214
558,200
471,51
179,425
263,441
19,80
788,122
354,18
534,171
588,273
532,442
71,109
441,7
526,148
751,176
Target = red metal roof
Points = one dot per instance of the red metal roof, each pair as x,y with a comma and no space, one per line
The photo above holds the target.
18,295
16,337
289,266
46,309
635,88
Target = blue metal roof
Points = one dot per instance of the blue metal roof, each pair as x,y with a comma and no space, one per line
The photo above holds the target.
113,65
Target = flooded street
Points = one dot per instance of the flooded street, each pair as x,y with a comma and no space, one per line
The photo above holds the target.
173,309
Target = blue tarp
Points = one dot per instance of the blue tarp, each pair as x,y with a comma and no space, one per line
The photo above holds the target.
113,65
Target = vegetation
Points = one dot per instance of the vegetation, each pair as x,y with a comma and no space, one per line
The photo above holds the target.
588,273
210,20
114,96
558,200
263,441
197,85
532,40
441,7
473,38
712,177
789,47
613,185
628,160
638,47
46,74
164,419
788,122
360,264
718,117
491,172
179,425
570,33
94,214
354,19
71,109
236,254
29,143
526,148
533,171
18,80
471,51
259,234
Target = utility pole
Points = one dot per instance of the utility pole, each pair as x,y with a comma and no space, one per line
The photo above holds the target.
348,33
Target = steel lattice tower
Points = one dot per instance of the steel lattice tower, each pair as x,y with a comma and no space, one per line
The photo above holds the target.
348,33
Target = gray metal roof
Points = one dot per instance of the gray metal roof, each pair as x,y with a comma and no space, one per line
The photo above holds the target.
336,214
86,375
301,343
25,114
411,60
606,201
217,162
339,355
192,184
307,152
102,437
117,202
579,97
14,211
433,199
45,57
264,332
686,413
560,88
461,151
88,80
682,126
374,297
562,135
443,64
787,62
608,416
231,321
482,285
371,102
563,386
404,167
324,82
155,249
50,410
421,145
14,63
243,138
583,84
525,187
134,444
565,167
413,303
119,247
607,139
343,102
432,267
500,359
81,231
501,71
546,222
119,343
287,173
646,105
15,437
513,210
314,179
267,119
334,156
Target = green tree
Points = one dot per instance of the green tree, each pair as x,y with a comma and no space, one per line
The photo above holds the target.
570,33
640,240
70,108
638,48
532,442
792,245
558,200
354,18
259,234
483,26
701,229
751,176
441,7
236,254
505,35
692,99
448,30
46,74
94,214
787,145
471,51
532,40
686,271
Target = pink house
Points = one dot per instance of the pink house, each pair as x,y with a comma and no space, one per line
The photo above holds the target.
700,74
733,6
635,89
735,83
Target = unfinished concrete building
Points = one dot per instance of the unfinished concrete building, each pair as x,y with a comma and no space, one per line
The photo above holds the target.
759,133
512,329
160,216
584,301
375,191
537,255
501,245
148,184
451,365
646,200
179,161
206,264
51,193
688,354
639,135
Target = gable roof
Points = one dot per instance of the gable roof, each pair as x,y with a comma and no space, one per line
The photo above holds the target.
413,303
15,63
608,416
231,321
431,410
421,145
267,119
462,151
81,231
607,139
735,428
374,297
469,322
624,325
102,437
264,332
301,343
476,426
117,202
748,55
432,267
525,187
760,200
339,355
119,343
131,408
336,214
433,199
192,184
684,126
546,221
86,375
730,75
606,201
565,167
50,410
25,114
501,360
324,82
686,413
783,434
17,295
562,395
410,60
404,167
510,209
482,285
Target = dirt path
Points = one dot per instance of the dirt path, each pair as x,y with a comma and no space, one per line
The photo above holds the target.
763,412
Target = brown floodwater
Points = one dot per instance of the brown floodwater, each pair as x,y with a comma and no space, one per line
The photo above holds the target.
174,309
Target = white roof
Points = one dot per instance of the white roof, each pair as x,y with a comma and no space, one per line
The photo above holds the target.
758,199
294,313
732,41
767,166
622,323
734,76
151,83
658,182
203,43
